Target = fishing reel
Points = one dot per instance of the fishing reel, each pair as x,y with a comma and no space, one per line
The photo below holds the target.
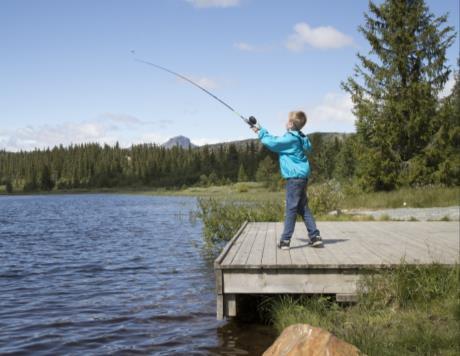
252,121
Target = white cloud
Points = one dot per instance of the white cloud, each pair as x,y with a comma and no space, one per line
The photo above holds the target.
332,114
246,47
243,46
448,87
214,3
323,37
106,128
30,137
153,137
123,118
207,83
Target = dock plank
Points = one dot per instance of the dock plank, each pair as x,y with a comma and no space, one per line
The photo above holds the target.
269,255
283,257
246,245
237,245
375,243
417,248
255,257
397,243
333,240
354,246
426,235
298,242
434,241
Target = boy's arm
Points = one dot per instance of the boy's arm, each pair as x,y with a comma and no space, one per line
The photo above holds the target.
274,143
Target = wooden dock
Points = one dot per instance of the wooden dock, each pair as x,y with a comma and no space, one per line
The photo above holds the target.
251,263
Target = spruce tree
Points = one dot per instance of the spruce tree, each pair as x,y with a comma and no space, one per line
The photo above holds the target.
242,176
394,89
439,162
8,186
46,183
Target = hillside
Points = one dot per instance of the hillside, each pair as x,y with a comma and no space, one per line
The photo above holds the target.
324,136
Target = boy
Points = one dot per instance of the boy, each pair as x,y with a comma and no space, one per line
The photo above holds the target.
296,170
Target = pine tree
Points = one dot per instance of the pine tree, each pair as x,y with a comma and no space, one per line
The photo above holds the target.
346,160
46,183
8,186
231,163
394,90
268,173
439,162
242,176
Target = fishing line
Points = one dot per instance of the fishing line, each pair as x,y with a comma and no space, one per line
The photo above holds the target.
251,121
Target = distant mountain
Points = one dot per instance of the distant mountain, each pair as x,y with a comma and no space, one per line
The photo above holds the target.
181,141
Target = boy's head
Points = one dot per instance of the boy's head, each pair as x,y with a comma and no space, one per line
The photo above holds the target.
296,120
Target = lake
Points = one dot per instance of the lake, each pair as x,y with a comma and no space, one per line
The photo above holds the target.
111,274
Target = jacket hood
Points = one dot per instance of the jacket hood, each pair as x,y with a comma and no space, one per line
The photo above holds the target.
306,145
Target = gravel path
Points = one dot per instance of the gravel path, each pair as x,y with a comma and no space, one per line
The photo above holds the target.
421,214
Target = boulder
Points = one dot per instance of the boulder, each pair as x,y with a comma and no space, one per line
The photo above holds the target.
306,340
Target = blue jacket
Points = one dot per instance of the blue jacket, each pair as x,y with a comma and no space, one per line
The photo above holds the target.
290,147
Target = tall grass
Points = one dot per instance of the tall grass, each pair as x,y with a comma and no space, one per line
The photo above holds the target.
411,310
422,197
222,218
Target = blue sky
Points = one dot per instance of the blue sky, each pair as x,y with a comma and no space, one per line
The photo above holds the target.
68,76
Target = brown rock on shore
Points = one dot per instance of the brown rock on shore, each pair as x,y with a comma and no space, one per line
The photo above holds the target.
306,340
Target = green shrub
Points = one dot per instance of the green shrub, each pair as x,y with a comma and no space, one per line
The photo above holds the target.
242,187
323,198
222,218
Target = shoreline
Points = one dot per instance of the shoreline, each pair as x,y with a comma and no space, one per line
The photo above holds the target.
351,200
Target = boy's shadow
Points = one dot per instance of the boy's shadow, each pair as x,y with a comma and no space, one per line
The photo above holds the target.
325,242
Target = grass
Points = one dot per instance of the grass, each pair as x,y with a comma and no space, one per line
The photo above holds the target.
410,310
222,218
350,197
422,197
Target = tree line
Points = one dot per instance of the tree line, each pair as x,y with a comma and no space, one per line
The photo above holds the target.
92,166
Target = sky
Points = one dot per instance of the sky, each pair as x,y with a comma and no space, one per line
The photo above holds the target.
68,76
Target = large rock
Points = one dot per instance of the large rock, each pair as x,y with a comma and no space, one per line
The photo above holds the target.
306,340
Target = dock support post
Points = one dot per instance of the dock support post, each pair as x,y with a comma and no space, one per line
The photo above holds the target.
220,305
230,305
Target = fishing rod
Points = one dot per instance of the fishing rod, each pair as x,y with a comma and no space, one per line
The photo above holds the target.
251,121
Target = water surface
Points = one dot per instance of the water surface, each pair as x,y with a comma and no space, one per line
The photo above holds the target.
108,274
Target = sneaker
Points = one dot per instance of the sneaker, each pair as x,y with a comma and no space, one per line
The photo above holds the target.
316,241
284,244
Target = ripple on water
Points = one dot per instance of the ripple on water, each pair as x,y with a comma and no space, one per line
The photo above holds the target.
110,274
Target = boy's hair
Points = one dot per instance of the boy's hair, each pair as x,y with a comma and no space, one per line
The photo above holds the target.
298,119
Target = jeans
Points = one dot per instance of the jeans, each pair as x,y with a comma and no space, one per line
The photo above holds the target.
297,203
